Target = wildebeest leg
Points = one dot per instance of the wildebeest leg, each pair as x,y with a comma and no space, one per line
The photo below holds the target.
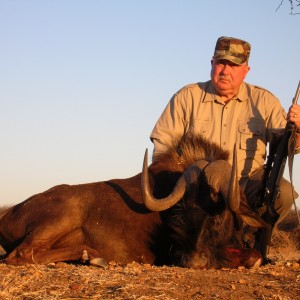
28,255
47,244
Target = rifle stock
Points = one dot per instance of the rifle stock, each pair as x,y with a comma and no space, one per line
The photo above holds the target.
274,170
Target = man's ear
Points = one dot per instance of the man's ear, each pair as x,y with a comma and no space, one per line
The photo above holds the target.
247,69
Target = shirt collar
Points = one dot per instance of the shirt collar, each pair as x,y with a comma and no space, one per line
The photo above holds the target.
211,94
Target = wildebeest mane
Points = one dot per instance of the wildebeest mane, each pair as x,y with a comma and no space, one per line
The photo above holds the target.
185,151
168,166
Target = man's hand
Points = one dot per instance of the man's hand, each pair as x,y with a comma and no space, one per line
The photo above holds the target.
294,115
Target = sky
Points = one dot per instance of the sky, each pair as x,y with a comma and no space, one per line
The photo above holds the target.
82,83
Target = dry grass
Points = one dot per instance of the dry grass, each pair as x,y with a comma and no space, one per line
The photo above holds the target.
289,231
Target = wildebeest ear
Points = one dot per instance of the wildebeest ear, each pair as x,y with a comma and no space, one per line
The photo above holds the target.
2,251
253,220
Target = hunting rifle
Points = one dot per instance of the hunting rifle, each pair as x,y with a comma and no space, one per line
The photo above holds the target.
280,148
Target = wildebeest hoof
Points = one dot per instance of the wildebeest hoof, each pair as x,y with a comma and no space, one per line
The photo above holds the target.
257,264
85,255
99,262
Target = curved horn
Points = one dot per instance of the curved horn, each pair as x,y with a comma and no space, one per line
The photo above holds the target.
178,192
233,195
224,178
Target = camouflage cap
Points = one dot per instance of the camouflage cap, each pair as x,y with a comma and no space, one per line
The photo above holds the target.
232,49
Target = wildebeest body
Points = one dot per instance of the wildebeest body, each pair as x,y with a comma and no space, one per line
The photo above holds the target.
109,220
107,216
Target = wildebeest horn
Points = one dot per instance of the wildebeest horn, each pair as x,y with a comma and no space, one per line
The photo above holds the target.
224,178
233,195
179,190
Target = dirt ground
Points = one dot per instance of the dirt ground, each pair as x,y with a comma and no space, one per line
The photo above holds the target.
134,281
67,281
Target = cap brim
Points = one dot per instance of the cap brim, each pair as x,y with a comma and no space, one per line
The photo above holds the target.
233,59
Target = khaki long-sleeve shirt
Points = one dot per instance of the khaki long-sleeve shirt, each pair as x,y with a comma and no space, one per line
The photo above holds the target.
247,120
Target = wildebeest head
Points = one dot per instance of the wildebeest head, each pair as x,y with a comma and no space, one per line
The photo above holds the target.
205,210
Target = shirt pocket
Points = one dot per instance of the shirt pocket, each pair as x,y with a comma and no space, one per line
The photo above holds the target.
201,127
250,135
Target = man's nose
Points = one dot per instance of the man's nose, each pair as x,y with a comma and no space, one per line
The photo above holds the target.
226,69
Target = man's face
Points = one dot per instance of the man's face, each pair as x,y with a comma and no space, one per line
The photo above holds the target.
227,76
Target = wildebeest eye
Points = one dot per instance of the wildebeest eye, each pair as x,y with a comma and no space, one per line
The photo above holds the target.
214,195
214,204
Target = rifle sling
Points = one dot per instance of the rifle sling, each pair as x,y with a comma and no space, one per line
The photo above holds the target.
291,154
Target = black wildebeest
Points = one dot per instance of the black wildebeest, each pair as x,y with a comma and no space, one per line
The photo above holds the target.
196,222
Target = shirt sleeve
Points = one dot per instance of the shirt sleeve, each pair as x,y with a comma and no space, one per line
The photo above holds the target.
171,124
277,117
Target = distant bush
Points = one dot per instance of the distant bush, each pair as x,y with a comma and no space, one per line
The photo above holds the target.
288,232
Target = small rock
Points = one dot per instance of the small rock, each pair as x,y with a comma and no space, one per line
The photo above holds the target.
242,281
51,265
256,292
147,266
274,273
193,291
75,287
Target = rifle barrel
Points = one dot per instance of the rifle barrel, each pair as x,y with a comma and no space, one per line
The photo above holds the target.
295,100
